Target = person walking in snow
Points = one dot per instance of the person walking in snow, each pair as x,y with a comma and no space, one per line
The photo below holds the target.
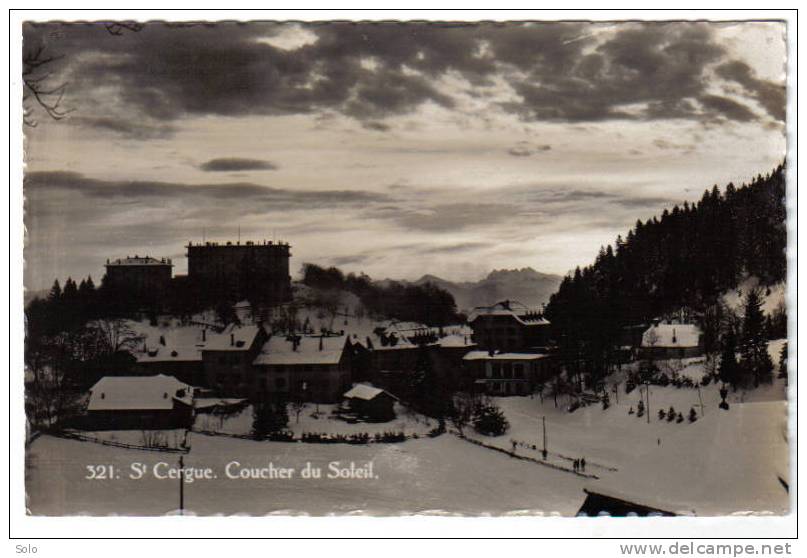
583,464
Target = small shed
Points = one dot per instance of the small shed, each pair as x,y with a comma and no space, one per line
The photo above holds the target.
371,402
672,341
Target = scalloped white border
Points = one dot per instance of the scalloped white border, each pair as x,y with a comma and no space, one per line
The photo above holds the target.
417,526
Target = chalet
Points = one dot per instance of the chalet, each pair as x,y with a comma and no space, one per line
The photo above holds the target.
509,326
139,402
504,373
311,367
176,352
671,340
228,356
397,351
371,403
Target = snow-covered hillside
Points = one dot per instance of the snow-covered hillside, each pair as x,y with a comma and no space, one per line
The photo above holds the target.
772,297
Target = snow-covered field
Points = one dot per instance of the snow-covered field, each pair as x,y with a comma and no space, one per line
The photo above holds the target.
325,422
431,475
167,438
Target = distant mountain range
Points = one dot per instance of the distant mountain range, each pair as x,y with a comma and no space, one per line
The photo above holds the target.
524,285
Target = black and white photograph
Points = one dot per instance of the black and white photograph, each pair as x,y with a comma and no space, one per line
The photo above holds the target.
392,268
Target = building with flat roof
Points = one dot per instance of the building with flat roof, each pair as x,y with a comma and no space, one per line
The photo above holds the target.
139,276
258,272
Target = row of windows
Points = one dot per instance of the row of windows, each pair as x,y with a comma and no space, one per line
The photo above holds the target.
506,370
508,388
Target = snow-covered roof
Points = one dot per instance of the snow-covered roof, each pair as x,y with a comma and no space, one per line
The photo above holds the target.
365,392
139,260
170,354
518,311
118,393
730,462
455,340
233,338
182,344
485,355
671,335
210,402
281,351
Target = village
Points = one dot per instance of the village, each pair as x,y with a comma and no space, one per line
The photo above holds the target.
287,380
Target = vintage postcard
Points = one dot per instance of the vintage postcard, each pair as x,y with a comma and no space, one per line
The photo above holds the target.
396,268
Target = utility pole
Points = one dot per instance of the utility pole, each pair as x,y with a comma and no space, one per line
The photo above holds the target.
700,398
181,486
543,420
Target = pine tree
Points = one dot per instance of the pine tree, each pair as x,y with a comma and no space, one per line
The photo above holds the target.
268,417
755,362
783,362
55,293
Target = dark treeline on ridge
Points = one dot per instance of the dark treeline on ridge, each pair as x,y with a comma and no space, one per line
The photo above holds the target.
427,304
683,260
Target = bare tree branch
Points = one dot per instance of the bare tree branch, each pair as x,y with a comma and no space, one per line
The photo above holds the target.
35,78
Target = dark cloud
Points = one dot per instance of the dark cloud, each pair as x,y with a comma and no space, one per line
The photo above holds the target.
728,108
526,149
561,71
770,95
125,127
255,194
457,248
447,217
349,260
668,145
236,164
375,126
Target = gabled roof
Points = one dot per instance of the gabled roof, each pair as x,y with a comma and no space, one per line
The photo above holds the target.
365,392
141,393
485,355
233,338
170,354
671,335
182,344
281,351
519,312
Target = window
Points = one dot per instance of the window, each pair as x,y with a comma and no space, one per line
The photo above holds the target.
518,371
497,370
508,370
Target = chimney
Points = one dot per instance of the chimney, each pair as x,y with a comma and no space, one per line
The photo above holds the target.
320,343
674,340
232,339
162,340
204,335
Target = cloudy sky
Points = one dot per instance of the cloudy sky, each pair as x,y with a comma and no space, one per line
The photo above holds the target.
393,149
